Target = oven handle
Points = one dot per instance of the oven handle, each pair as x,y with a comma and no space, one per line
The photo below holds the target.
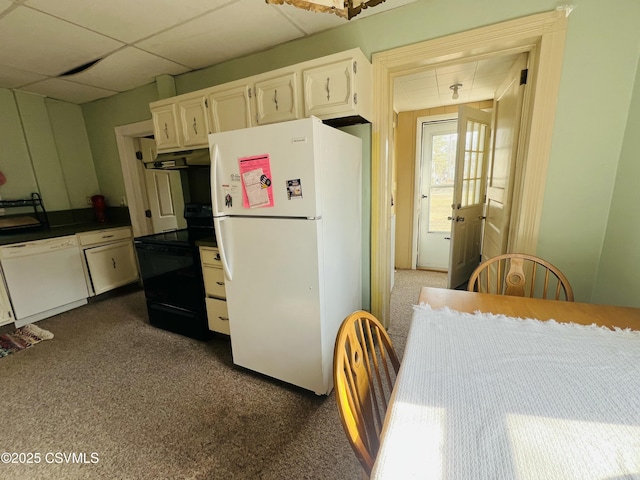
217,221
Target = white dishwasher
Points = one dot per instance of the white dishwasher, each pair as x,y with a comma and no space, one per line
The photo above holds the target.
43,278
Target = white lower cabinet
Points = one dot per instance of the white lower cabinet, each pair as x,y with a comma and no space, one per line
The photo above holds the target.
111,266
6,313
215,300
110,260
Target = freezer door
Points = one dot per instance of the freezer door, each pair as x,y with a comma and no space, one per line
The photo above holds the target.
274,299
266,171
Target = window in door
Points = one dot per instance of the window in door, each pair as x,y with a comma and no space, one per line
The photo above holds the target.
473,164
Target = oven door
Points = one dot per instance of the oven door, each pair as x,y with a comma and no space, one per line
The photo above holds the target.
171,275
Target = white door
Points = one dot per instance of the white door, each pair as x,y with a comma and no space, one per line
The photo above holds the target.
164,193
437,154
468,195
504,148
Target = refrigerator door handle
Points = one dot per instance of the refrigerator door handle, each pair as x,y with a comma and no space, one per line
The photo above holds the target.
215,155
217,221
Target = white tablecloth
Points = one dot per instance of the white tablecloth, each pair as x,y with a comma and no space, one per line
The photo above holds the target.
491,397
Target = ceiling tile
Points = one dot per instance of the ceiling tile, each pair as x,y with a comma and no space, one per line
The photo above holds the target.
68,91
491,82
34,41
451,69
216,37
126,20
496,65
13,78
421,84
310,22
126,69
445,81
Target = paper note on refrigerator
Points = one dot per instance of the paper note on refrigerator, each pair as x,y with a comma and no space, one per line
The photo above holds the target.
256,181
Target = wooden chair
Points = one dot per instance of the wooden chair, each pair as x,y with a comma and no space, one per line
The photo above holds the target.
520,275
365,367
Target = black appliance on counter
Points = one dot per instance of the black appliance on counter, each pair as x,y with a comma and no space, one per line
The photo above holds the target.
172,275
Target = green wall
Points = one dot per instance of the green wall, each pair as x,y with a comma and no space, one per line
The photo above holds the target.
599,71
45,149
14,153
618,280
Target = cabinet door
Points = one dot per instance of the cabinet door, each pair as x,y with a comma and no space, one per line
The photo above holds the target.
329,89
277,99
193,118
230,109
165,126
6,314
112,266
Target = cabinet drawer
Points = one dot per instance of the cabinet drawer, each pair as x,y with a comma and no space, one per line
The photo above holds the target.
103,236
210,256
217,315
214,282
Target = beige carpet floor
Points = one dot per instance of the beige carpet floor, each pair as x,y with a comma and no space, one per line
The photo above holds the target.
111,397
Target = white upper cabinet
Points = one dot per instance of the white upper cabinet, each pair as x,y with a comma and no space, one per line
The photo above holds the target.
339,89
180,122
336,88
194,121
230,107
165,126
277,99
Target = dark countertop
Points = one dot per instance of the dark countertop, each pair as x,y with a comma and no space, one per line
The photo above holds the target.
52,232
73,223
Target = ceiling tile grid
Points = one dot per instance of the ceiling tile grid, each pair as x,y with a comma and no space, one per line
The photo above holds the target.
133,42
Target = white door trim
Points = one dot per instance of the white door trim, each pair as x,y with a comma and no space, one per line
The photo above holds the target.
543,34
125,138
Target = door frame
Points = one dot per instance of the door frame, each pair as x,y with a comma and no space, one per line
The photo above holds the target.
543,36
133,183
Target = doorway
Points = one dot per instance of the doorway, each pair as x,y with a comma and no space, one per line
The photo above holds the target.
543,37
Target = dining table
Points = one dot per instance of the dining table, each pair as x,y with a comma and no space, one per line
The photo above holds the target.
514,388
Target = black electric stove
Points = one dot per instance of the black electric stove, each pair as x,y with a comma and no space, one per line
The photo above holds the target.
172,276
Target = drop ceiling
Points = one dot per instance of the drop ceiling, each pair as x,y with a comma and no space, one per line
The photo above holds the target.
431,88
137,40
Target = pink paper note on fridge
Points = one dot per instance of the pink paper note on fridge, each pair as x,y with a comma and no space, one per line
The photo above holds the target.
257,190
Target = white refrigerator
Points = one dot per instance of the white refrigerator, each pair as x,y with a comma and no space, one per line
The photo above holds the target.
287,211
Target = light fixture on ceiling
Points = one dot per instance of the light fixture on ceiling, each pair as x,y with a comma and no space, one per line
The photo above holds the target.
342,8
455,88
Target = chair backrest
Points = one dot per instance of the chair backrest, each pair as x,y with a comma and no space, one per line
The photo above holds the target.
365,367
520,275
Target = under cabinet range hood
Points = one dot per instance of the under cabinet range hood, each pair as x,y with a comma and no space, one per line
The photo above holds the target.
183,159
